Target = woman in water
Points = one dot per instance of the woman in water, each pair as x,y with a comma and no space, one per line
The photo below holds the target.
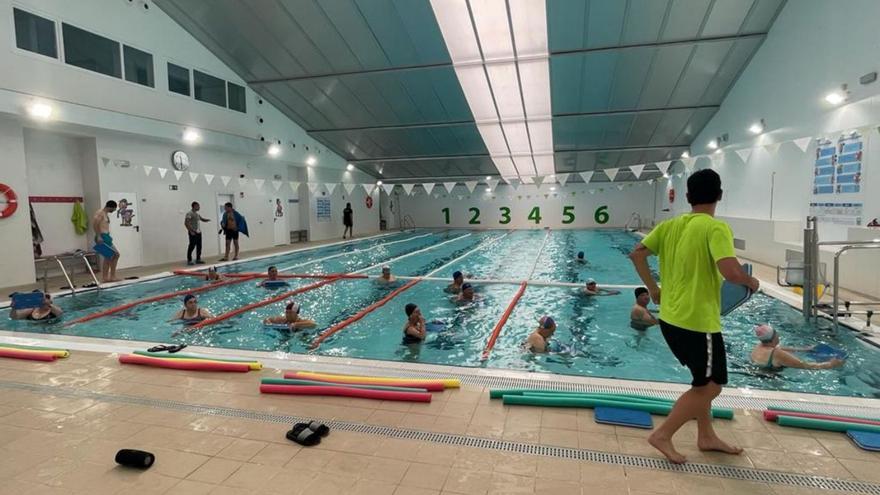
770,356
414,330
191,312
46,311
291,318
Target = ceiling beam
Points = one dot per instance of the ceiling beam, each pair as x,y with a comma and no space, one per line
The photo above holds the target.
657,44
397,159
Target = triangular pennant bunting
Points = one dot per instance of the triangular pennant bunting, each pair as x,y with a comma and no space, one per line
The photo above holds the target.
276,184
259,183
429,186
650,181
620,187
492,183
388,188
225,180
178,174
525,179
562,178
539,180
803,143
294,186
586,176
663,166
331,187
611,172
209,178
449,186
772,148
349,187
147,169
407,188
637,170
688,163
193,176
162,172
744,154
470,185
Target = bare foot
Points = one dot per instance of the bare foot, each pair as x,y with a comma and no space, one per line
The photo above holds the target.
718,445
664,445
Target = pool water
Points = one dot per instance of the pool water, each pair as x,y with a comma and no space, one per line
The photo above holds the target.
594,331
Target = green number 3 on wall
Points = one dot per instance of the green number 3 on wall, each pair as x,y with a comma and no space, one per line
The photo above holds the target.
601,216
505,215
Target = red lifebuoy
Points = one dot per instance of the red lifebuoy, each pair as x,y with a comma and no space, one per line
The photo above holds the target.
10,204
369,201
672,196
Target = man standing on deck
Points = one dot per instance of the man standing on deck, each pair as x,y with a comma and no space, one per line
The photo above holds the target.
101,226
696,251
191,222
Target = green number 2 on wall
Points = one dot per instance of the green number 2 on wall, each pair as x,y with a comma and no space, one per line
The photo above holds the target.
475,219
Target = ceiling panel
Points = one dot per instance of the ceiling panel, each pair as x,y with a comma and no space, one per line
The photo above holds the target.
685,19
445,167
644,21
463,139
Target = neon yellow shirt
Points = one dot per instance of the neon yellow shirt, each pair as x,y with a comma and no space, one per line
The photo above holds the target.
689,247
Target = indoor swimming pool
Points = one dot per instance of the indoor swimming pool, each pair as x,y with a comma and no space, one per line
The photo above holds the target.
593,331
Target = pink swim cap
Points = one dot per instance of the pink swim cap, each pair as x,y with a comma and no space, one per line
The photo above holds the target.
765,333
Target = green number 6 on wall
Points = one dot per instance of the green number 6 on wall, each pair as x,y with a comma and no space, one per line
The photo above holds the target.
601,215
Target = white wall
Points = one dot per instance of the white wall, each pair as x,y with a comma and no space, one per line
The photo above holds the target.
427,210
16,264
366,220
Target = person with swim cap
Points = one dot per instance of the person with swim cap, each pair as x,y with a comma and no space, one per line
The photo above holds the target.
539,340
593,289
581,257
467,293
457,281
191,312
414,330
771,356
640,316
212,275
291,318
386,277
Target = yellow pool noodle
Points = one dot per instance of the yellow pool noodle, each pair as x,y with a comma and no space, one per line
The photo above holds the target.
61,353
378,380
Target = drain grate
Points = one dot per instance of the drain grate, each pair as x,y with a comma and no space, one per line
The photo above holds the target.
716,470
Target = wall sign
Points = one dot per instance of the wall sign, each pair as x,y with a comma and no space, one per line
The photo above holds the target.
837,179
322,209
503,216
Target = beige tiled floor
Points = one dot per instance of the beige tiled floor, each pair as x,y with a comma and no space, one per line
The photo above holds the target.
61,445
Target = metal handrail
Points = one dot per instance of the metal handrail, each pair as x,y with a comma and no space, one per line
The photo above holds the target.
91,272
68,277
858,245
634,217
411,221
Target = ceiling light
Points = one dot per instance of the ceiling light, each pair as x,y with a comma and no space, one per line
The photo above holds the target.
378,182
713,144
488,189
552,188
191,136
274,150
349,167
39,111
311,160
487,177
757,127
685,154
718,151
835,97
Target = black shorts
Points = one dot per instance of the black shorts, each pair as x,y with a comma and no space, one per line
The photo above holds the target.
702,353
231,234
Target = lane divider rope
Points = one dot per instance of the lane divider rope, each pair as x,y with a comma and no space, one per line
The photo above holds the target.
498,326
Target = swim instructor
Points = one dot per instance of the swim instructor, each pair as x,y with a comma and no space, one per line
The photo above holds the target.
696,251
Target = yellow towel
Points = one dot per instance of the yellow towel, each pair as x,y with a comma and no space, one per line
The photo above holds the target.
80,222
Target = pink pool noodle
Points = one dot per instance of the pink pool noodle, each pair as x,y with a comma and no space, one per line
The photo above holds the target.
31,355
429,386
179,364
772,415
346,392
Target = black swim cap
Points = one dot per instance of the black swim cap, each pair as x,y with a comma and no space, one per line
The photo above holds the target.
409,308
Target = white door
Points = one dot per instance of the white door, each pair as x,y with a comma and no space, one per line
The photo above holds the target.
125,229
222,199
279,217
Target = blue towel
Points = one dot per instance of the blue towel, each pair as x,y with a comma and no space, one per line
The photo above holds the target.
239,221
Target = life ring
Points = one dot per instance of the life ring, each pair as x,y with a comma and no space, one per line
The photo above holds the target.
369,201
10,204
672,196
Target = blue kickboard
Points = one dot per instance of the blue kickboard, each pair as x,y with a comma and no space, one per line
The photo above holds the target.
734,295
104,250
865,439
623,417
824,352
27,300
435,326
275,284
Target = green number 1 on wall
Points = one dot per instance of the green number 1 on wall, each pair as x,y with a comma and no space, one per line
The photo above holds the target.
446,214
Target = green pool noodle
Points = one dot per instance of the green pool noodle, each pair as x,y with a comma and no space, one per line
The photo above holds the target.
823,424
177,355
653,408
497,394
602,397
31,347
313,383
794,410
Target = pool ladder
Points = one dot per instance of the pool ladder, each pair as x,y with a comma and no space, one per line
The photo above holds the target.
407,223
59,259
634,224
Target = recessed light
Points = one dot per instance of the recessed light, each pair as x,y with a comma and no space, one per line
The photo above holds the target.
349,167
718,151
552,188
39,111
712,145
757,127
378,182
488,189
487,177
311,160
685,154
835,98
191,136
274,150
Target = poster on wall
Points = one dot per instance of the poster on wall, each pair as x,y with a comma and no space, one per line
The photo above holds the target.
322,209
837,180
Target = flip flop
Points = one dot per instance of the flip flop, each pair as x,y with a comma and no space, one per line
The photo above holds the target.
159,348
175,348
319,428
302,435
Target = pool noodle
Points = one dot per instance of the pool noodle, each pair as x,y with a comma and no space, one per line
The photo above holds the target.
62,353
793,410
30,355
283,381
601,397
826,425
436,386
254,365
177,355
381,380
182,364
774,415
346,392
493,337
497,394
591,403
360,314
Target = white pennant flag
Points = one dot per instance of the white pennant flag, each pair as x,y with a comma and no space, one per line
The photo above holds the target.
650,181
772,148
429,186
178,174
514,183
147,170
162,172
562,178
744,154
193,176
313,186
209,178
525,179
470,185
294,186
663,166
586,176
492,183
407,188
539,180
688,163
611,172
259,183
225,180
388,188
276,184
637,170
331,187
449,186
803,143
349,187
620,187
242,181
460,197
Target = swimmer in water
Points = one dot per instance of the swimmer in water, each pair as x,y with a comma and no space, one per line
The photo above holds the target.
191,312
539,340
272,276
291,318
771,356
593,289
46,311
467,293
457,281
212,275
414,330
640,316
581,258
386,277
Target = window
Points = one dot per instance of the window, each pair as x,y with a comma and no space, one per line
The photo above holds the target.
138,66
209,88
35,34
90,51
178,79
236,98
